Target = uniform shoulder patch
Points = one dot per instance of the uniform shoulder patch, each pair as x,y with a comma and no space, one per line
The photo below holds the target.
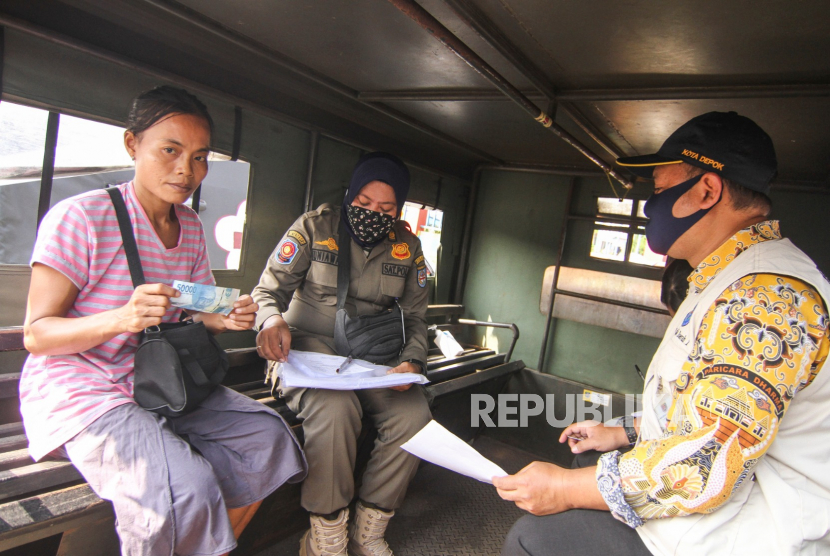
296,235
286,251
419,262
422,277
401,251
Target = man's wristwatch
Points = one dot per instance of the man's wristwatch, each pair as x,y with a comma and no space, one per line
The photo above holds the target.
628,425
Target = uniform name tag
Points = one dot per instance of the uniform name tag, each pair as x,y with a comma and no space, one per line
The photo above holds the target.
390,269
325,257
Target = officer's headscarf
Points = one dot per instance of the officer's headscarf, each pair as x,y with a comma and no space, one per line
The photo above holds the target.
376,166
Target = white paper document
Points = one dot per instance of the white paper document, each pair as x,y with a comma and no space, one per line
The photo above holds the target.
437,445
306,369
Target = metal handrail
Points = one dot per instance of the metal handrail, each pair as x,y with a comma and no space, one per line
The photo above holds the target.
511,326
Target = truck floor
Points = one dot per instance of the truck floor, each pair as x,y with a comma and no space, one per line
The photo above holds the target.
446,514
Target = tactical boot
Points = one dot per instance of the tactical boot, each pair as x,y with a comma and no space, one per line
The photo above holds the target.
326,538
366,535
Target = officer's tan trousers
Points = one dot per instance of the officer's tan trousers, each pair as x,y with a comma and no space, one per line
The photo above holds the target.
331,425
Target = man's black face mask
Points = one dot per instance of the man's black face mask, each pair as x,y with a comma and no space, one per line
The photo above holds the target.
663,228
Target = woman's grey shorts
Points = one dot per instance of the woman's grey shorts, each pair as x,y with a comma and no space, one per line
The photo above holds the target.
171,481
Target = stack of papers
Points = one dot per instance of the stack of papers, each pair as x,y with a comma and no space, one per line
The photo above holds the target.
306,369
437,445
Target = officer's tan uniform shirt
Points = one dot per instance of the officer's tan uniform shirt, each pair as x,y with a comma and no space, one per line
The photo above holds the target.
300,279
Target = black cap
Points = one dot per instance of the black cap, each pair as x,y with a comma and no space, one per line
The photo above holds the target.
723,142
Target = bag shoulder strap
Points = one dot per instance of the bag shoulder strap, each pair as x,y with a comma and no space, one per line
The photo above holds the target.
127,236
344,265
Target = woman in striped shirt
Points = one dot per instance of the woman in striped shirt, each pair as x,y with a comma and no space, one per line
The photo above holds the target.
184,485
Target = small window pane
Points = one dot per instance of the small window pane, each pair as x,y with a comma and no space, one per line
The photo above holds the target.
222,207
612,205
86,147
641,209
89,155
22,139
608,244
426,223
641,254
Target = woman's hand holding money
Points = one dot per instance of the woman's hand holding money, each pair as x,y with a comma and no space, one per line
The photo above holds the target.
146,307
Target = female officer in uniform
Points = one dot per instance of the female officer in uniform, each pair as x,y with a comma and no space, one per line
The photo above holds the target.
297,296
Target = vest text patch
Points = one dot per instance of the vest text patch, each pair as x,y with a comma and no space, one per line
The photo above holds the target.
390,269
323,256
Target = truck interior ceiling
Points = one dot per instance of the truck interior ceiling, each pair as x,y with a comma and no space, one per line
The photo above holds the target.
510,115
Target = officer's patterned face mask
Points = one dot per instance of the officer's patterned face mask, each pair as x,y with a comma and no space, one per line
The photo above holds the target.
369,226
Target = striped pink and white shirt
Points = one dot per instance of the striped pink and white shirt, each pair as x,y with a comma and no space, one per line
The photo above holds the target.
60,395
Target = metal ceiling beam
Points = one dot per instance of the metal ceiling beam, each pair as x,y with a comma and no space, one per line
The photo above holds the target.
423,18
476,20
198,20
545,169
793,90
440,95
698,93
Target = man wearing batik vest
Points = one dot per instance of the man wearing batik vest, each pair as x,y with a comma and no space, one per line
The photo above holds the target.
734,441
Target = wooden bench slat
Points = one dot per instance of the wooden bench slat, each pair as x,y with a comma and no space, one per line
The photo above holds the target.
13,443
11,429
11,338
25,520
9,383
15,459
37,476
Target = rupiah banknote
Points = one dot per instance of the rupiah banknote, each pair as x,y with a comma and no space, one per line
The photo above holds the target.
204,298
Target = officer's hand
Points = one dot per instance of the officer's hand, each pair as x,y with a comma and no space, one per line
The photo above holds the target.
405,367
274,340
537,488
591,435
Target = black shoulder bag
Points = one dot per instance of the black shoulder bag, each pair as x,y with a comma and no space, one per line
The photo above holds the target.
177,365
374,338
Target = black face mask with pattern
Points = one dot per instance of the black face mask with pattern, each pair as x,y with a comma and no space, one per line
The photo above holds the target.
369,227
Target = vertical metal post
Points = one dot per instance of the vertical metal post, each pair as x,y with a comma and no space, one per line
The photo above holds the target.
48,166
312,157
237,132
549,322
467,237
2,55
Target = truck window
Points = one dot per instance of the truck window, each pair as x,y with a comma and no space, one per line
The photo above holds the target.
622,239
